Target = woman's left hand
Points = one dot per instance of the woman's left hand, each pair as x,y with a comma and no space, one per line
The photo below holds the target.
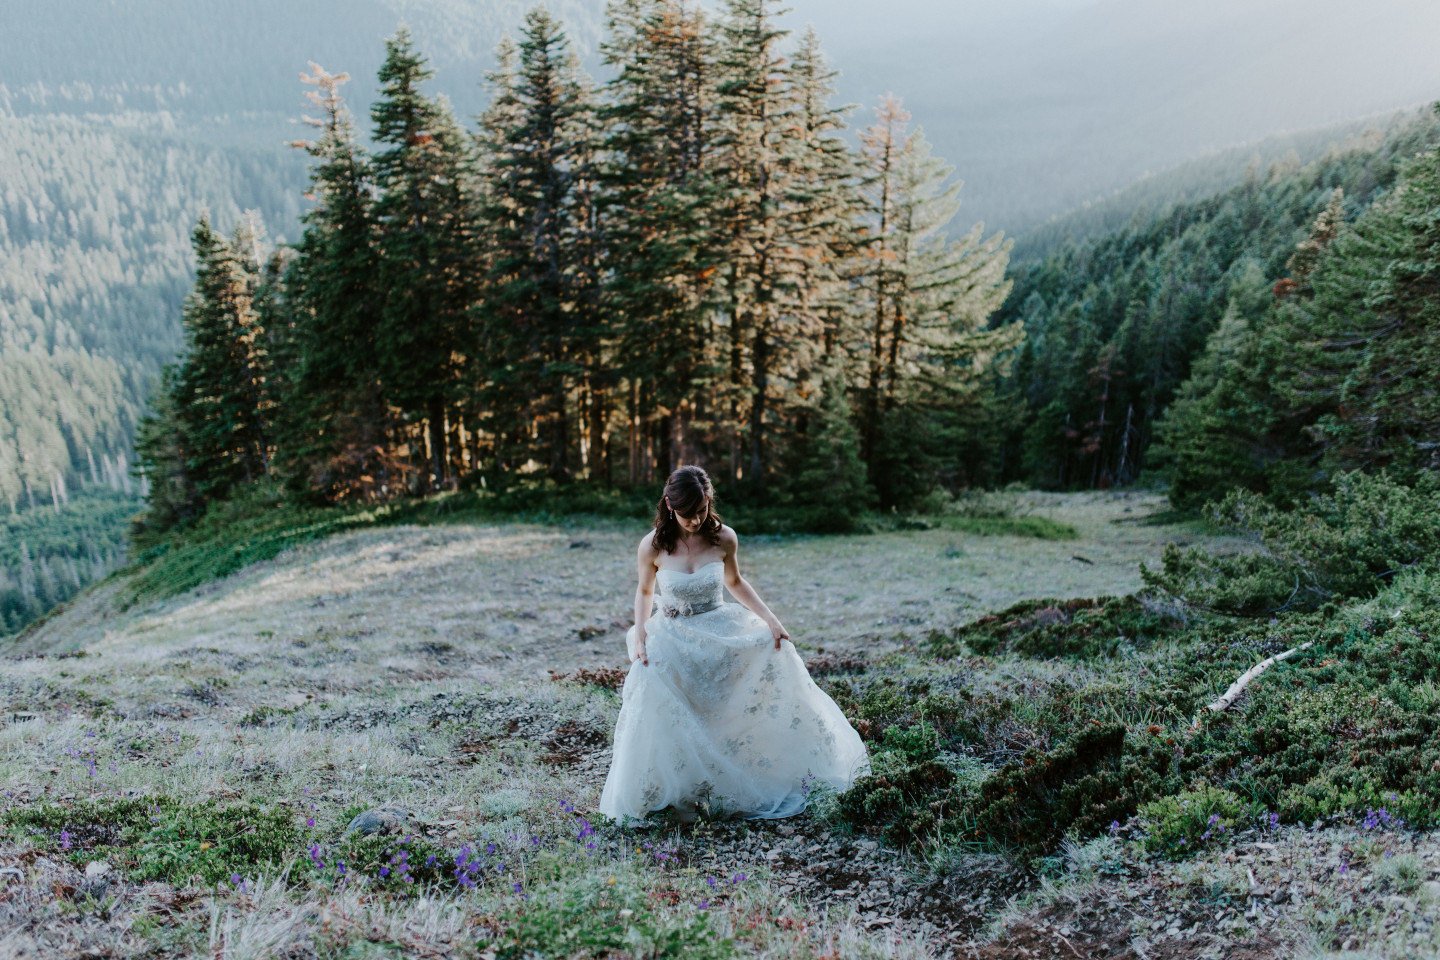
777,628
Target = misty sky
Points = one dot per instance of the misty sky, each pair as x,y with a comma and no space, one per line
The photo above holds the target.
1041,105
1073,98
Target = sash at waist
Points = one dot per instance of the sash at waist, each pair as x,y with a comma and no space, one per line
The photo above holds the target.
682,608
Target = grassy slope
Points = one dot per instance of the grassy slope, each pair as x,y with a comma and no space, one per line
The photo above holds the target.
407,666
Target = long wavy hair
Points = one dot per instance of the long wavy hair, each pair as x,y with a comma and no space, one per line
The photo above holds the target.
691,495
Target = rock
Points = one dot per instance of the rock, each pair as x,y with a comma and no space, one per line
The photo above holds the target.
94,889
579,544
381,820
96,868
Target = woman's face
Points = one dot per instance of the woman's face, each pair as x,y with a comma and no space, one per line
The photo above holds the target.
690,524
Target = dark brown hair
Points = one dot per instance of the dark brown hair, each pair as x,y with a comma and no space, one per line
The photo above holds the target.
691,495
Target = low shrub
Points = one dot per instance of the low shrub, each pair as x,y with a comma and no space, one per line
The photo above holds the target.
1081,787
597,914
1080,628
1179,825
161,838
1342,545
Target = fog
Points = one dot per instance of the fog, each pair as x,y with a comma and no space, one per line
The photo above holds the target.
1041,105
1044,104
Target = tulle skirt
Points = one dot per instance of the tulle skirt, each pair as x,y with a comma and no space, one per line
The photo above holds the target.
721,723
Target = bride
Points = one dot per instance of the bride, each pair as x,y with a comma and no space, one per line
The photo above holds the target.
718,714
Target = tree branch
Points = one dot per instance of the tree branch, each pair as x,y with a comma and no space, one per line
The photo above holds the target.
1238,687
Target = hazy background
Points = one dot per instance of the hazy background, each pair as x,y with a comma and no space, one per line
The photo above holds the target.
1040,104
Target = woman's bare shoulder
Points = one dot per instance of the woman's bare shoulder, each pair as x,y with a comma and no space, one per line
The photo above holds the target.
648,548
728,537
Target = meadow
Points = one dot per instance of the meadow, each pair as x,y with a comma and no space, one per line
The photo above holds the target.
180,770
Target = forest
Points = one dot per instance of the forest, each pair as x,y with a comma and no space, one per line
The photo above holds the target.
1120,324
689,265
94,261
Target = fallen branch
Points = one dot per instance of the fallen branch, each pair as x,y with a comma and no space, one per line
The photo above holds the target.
1238,687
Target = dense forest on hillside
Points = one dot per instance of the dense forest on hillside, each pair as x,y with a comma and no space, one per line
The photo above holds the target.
94,262
1114,322
1203,177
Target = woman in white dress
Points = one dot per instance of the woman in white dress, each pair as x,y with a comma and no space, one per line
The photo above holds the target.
719,715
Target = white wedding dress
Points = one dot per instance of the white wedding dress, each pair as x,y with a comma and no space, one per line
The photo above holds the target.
719,718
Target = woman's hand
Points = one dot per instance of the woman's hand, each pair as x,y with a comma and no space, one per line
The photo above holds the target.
777,628
641,655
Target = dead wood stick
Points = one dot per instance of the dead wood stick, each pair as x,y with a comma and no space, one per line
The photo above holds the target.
1238,687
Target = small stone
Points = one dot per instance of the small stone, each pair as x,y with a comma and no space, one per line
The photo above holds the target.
381,820
93,889
96,868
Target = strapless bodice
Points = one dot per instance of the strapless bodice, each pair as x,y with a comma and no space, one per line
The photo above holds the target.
686,594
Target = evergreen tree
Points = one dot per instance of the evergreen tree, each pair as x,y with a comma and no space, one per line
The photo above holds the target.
542,292
224,381
822,216
163,450
661,221
426,235
338,429
927,347
754,119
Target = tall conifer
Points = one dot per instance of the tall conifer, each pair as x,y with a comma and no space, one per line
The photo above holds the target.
659,218
337,426
542,291
426,233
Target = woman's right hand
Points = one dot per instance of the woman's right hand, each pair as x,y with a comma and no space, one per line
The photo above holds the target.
640,654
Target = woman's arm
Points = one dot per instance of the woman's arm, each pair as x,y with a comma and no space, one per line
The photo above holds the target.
740,588
644,594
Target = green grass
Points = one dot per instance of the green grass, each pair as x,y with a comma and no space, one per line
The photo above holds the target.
1041,528
258,523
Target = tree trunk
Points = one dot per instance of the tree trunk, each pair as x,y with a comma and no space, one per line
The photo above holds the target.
599,434
760,359
435,411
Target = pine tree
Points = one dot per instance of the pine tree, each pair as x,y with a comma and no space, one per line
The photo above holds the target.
337,423
928,348
822,212
163,450
426,234
660,220
224,397
754,119
542,291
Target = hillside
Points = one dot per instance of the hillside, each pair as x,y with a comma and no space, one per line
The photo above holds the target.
95,258
1115,318
410,668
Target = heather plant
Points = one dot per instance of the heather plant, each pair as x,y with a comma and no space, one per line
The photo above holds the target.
1079,628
